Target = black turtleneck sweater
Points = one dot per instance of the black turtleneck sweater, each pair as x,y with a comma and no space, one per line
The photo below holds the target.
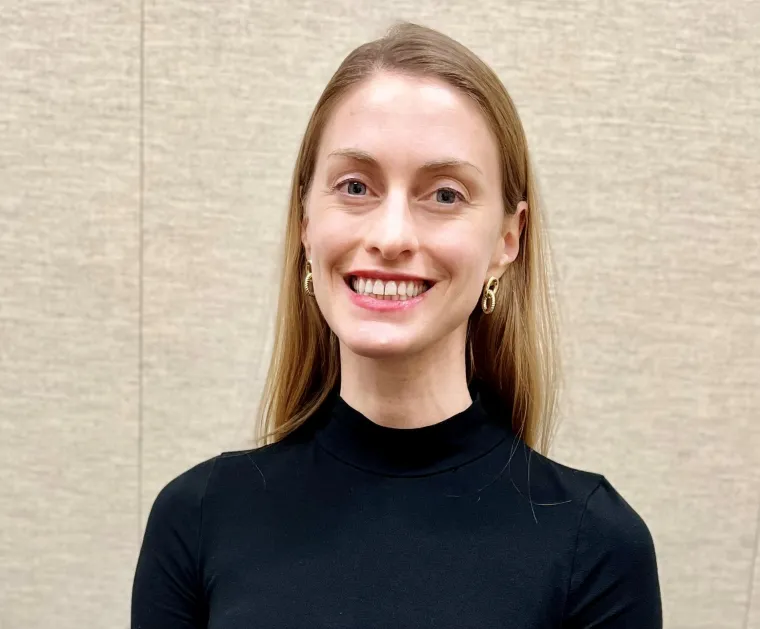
346,524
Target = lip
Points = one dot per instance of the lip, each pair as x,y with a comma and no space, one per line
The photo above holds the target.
384,305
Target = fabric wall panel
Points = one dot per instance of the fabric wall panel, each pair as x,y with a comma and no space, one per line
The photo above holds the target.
69,312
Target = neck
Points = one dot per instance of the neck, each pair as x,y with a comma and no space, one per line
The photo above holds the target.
408,391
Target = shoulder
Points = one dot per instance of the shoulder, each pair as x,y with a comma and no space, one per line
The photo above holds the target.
603,510
174,522
287,456
611,524
599,505
184,492
221,473
546,480
613,566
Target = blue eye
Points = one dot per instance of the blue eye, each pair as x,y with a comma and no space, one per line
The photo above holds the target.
354,187
447,196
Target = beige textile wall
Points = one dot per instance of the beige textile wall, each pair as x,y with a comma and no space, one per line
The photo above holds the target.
145,157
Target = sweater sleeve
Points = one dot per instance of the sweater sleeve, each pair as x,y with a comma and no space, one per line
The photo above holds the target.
167,591
614,582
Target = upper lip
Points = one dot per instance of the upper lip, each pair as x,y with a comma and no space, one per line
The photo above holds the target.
388,275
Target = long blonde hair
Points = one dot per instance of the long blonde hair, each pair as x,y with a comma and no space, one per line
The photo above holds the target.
513,349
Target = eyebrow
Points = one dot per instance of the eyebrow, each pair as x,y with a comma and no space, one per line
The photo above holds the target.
432,165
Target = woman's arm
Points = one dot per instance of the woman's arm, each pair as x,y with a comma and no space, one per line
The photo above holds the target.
168,591
614,582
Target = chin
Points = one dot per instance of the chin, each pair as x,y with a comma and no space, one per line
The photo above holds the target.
390,346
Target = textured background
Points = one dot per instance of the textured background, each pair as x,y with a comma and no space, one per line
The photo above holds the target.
145,156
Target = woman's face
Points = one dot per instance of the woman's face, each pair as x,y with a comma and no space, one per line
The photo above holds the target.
404,219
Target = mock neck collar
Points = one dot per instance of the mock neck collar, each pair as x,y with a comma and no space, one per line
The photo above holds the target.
457,440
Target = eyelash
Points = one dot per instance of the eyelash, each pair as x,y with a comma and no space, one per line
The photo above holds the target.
458,194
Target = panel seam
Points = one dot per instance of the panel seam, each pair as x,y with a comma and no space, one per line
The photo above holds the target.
140,237
752,566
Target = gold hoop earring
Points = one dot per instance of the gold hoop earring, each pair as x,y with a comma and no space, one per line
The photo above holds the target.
489,295
308,282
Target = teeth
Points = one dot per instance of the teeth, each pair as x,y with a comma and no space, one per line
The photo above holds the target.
396,291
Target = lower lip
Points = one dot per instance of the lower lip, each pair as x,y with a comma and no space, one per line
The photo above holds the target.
384,305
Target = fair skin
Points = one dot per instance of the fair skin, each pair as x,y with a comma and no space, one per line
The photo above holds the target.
407,187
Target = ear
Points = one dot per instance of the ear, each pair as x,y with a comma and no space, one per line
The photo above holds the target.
508,245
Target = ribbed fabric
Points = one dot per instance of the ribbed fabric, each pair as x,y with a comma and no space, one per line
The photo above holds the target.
358,441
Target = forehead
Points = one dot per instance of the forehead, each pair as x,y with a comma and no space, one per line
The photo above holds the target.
399,118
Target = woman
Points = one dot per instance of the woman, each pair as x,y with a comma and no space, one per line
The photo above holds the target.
411,387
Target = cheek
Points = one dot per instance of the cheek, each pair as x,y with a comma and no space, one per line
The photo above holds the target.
330,238
461,251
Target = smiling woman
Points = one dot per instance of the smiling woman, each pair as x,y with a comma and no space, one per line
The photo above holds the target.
414,357
407,185
414,166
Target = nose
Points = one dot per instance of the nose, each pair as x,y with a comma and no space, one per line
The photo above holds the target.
391,230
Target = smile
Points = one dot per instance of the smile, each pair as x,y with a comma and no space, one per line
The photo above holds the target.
386,290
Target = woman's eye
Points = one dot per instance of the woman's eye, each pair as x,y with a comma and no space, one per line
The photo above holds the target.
354,187
447,196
